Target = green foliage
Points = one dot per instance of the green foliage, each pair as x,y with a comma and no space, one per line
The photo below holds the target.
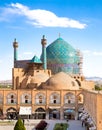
5,86
98,87
19,125
6,122
61,126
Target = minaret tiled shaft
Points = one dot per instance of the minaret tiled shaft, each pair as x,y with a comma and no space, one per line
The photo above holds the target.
15,45
44,42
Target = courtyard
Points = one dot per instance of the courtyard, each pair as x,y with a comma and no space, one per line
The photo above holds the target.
30,124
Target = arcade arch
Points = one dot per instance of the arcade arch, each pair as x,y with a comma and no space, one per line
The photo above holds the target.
25,98
69,98
11,98
40,98
40,113
11,113
54,98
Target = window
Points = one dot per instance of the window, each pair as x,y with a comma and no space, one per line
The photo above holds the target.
40,98
26,101
55,98
80,98
69,101
69,98
11,98
54,101
40,101
26,98
12,101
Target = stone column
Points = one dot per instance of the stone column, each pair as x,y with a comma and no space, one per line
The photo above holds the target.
61,113
61,107
47,104
47,114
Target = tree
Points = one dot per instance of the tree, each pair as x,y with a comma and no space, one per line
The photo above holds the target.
98,87
59,128
19,125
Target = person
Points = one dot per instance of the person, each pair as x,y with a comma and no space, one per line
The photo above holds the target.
23,121
67,120
83,122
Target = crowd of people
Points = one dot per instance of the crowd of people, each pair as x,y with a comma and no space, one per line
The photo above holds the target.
86,120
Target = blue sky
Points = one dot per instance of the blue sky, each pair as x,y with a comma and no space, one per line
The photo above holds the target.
79,22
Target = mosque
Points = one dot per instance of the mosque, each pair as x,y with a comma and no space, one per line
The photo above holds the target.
51,87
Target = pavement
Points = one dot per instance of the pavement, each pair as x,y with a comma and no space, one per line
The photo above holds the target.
75,125
30,124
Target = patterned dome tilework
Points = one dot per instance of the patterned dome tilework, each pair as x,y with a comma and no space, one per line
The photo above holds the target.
61,56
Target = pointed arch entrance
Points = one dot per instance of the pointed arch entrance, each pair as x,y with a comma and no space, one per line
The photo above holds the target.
54,113
11,113
69,114
40,113
1,114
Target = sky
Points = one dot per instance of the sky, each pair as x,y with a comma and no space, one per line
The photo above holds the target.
79,22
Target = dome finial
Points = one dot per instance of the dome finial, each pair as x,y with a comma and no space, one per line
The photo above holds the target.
43,36
59,35
15,40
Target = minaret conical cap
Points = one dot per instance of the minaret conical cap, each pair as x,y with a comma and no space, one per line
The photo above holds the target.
15,43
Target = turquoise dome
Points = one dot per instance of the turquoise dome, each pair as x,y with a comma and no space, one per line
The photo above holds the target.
61,56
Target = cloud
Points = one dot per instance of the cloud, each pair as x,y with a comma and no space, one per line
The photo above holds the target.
0,61
97,53
92,53
86,51
41,18
27,53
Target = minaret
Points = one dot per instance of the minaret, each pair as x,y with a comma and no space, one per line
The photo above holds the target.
80,62
15,45
44,42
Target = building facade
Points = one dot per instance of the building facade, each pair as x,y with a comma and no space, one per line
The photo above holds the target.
52,87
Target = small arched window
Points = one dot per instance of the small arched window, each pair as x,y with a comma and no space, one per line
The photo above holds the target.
80,99
26,98
69,98
55,98
40,98
11,98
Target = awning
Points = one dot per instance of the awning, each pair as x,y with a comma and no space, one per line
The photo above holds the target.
69,111
11,110
54,107
65,107
25,111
